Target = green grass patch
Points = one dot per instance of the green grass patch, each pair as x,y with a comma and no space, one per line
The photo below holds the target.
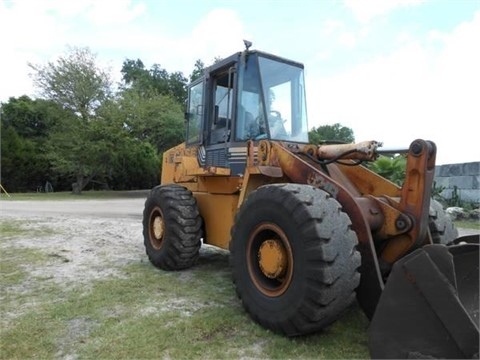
15,259
11,228
14,262
145,314
154,314
17,228
467,224
34,336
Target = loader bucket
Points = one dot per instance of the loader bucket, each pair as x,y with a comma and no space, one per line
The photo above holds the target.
429,307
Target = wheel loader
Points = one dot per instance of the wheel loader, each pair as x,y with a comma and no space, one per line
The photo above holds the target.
309,228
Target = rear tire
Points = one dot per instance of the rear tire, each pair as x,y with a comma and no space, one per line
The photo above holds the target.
294,259
441,226
172,227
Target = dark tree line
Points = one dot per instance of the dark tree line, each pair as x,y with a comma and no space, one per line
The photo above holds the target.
81,134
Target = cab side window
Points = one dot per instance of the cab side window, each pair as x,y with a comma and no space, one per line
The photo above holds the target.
195,114
223,108
250,121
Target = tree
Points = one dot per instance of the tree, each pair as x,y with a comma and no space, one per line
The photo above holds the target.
336,133
79,150
133,71
158,119
80,146
74,81
17,154
30,118
177,87
26,125
136,166
154,81
198,69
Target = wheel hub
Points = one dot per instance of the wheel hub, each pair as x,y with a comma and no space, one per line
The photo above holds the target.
158,228
272,259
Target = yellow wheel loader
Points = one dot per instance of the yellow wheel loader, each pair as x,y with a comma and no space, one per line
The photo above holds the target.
310,228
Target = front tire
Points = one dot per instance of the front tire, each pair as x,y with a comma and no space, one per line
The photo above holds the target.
172,227
294,259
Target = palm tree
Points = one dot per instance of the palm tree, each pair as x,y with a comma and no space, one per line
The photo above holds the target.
391,168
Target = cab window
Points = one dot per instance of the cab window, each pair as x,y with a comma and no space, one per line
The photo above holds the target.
195,113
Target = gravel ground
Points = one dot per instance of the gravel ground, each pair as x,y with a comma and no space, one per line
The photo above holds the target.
91,239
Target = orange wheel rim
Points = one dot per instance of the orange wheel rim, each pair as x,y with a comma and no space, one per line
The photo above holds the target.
270,259
156,228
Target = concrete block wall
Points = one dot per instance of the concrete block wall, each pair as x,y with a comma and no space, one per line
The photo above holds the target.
465,177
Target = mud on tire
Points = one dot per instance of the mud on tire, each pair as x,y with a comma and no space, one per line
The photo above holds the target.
294,259
172,227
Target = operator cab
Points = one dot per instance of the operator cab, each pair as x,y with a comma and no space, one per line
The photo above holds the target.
250,95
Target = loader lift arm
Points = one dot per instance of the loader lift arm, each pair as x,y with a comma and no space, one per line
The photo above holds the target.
387,225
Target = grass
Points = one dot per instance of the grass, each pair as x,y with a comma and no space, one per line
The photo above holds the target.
16,228
146,314
153,315
467,224
12,270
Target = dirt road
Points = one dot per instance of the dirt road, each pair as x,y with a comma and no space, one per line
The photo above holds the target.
108,209
115,210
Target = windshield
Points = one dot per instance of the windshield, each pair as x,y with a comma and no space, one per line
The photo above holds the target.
272,101
284,96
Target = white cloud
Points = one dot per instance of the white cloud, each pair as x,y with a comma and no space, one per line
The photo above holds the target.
179,52
114,12
39,31
28,26
331,26
340,33
411,93
215,35
366,10
348,39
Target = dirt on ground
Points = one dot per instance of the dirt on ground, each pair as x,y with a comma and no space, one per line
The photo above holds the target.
91,239
87,239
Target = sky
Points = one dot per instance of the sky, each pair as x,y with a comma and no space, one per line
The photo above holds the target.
391,70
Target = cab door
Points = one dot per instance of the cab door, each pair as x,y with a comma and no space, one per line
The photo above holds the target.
220,115
195,114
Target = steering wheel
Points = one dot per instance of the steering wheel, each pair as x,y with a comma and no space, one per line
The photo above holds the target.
260,137
276,123
276,114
